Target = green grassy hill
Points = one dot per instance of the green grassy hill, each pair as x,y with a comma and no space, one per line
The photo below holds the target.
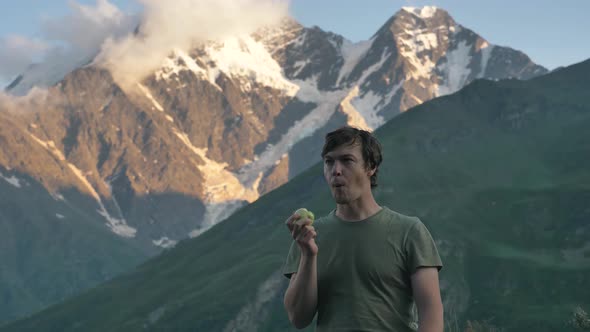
78,251
499,172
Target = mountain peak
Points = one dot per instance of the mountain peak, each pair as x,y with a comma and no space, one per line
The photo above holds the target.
427,17
424,12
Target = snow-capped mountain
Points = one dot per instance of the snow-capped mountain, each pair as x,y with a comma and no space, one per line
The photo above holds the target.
219,126
211,130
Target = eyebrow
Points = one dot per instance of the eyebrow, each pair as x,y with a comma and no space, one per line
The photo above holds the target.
346,155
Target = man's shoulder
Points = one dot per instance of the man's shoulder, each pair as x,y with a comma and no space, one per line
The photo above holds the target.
399,218
388,216
325,219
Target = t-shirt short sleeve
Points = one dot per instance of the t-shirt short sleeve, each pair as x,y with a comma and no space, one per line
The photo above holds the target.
421,249
292,262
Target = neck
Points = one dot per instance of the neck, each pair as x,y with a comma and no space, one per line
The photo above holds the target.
359,209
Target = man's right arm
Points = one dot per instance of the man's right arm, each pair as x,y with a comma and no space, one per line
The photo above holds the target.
301,297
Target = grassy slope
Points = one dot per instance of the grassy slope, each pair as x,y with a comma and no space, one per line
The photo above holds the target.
78,242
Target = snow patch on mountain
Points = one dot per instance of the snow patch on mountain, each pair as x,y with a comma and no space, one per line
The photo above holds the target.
147,93
220,184
352,53
422,66
13,180
180,61
50,146
241,58
424,12
373,68
416,99
354,118
164,242
486,52
455,70
419,40
366,105
224,192
369,104
118,226
299,66
216,213
57,196
326,104
80,175
244,57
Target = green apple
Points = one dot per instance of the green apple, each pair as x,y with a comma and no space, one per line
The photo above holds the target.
304,213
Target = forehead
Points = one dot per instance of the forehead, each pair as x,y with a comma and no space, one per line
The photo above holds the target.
354,150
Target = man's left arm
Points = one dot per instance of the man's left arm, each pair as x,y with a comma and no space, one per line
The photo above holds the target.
426,292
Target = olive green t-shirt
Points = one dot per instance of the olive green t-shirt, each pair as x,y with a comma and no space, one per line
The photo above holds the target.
364,270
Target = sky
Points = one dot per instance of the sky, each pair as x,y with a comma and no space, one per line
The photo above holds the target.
553,33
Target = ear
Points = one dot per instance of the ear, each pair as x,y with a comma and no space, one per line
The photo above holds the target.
370,172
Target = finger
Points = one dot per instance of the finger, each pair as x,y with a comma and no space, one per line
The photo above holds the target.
309,236
296,232
302,234
304,229
304,222
295,227
293,223
292,219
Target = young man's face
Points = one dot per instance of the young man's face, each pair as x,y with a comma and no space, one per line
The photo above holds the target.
345,173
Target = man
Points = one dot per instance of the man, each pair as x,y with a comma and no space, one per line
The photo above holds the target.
370,265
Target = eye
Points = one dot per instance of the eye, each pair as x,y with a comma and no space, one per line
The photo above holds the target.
328,161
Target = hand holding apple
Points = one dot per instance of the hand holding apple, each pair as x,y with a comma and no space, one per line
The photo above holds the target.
299,224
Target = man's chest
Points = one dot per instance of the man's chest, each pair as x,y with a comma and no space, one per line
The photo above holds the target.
356,259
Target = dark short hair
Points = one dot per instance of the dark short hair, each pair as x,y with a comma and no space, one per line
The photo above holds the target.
370,146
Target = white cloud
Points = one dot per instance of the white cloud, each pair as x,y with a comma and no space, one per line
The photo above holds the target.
68,43
87,27
182,25
130,46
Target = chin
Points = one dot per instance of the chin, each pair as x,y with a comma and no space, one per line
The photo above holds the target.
341,199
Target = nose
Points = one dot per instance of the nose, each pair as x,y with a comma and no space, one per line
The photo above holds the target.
336,168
